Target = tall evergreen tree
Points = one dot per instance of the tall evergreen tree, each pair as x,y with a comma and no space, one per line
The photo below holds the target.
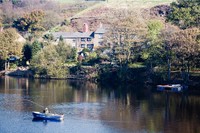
27,52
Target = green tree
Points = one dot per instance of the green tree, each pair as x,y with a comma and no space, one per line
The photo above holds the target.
47,62
153,49
36,47
154,30
66,52
185,13
27,52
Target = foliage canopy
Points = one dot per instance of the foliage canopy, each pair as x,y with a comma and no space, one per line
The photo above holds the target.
30,22
185,13
9,44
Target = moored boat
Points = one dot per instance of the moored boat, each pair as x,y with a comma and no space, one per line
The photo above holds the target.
170,87
48,116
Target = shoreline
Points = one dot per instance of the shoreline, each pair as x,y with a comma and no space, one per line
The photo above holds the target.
138,78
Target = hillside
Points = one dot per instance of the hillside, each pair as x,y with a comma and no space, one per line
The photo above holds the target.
116,4
99,11
122,3
69,15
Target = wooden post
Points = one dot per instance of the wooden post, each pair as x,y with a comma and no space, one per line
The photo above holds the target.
8,65
5,66
169,69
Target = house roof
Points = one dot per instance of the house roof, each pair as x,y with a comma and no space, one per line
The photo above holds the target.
73,34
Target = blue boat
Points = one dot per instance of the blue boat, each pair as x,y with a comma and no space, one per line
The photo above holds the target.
170,88
47,116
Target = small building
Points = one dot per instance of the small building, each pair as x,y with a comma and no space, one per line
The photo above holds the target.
86,39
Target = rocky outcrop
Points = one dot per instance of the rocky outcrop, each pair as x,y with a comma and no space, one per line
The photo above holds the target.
160,11
20,72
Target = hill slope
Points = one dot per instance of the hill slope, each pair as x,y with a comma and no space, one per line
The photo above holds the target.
115,4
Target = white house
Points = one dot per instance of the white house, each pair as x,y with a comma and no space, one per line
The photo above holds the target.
86,39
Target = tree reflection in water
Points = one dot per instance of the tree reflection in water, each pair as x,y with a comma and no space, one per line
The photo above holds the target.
131,107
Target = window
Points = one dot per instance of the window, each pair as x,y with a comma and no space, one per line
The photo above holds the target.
82,39
100,36
89,39
82,45
90,46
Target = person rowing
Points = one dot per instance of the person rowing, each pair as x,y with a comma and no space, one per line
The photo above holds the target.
46,111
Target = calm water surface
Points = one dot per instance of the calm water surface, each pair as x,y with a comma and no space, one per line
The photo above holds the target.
90,108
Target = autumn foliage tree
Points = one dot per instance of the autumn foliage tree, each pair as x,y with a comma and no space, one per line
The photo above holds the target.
126,35
186,46
30,22
182,50
185,43
9,44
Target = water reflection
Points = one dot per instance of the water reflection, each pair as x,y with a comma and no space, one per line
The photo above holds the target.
158,112
129,108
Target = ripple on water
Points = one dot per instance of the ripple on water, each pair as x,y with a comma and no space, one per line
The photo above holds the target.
13,102
79,110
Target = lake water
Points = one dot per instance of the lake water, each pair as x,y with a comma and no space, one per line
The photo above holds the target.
91,108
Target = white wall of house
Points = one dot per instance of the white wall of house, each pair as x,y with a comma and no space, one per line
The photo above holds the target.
98,38
79,43
71,41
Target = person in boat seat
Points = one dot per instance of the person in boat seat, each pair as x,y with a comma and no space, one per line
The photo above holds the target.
46,111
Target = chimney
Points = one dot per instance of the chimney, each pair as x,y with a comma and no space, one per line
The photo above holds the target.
1,29
85,27
100,25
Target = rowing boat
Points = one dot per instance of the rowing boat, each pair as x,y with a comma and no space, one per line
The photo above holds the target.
48,116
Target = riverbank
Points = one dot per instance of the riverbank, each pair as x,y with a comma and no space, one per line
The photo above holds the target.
113,75
19,72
